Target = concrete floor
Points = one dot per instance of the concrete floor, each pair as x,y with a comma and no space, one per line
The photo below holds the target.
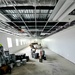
54,65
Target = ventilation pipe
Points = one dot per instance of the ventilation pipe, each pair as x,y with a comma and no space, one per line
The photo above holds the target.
71,8
56,9
64,7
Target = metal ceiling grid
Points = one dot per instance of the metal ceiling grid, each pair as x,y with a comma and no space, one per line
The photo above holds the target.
43,11
21,18
17,14
33,18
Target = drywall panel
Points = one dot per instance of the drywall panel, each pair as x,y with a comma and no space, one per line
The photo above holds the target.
63,43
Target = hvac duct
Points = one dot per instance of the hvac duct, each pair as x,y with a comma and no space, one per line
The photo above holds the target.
71,8
56,9
64,7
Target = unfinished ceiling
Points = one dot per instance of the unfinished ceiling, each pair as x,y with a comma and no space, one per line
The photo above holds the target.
52,2
37,18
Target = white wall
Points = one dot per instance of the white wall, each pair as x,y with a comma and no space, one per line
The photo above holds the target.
14,48
63,43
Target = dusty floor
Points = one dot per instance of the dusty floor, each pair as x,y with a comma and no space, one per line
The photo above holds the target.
54,65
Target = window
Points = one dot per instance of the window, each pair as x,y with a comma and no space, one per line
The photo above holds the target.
17,42
21,42
9,42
